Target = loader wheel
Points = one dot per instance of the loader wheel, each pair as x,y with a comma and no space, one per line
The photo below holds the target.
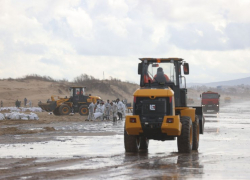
185,140
196,133
56,112
131,142
83,110
143,143
64,109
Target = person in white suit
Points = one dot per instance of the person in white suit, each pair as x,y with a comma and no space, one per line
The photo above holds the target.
119,108
107,109
91,111
99,111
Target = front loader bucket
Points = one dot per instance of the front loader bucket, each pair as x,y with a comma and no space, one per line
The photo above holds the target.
49,107
201,117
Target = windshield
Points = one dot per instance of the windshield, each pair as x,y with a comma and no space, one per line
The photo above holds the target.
163,70
210,96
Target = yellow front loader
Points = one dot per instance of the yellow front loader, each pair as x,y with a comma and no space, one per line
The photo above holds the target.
76,102
160,110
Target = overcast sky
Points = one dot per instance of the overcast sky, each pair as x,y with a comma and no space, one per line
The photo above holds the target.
63,39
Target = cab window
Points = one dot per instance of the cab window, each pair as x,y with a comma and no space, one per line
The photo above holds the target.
78,91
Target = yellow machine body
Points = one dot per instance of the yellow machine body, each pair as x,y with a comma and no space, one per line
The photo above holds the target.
133,123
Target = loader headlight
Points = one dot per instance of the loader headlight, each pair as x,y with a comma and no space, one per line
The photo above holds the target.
133,120
170,120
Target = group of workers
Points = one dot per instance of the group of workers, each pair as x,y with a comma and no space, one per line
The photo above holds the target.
26,103
108,110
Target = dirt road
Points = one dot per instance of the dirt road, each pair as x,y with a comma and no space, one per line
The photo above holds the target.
71,148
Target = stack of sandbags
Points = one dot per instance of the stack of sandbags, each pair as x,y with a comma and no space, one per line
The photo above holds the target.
32,109
33,116
15,109
2,116
17,115
10,109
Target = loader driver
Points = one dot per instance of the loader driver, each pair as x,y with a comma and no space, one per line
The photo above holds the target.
160,76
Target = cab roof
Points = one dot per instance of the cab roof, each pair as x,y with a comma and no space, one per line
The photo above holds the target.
77,87
209,92
161,59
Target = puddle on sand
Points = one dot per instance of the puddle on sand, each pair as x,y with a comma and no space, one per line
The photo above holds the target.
212,130
93,163
66,147
94,126
228,149
150,165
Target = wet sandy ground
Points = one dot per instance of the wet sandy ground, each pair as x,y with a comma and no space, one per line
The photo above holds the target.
71,148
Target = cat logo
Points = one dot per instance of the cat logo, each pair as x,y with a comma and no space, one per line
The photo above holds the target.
152,107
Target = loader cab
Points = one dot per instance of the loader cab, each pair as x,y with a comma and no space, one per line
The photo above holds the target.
77,94
163,73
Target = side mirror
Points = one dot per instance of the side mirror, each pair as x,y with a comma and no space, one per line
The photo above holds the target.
200,95
186,68
140,68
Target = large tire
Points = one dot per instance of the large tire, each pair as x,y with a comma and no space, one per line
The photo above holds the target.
196,133
131,143
84,110
64,109
143,143
185,140
56,112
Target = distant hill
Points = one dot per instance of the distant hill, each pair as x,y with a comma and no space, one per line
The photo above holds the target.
245,81
37,88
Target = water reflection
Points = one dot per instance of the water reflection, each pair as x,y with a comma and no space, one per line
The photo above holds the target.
172,166
212,130
210,120
211,115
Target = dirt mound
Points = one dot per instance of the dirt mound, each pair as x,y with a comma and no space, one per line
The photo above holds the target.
39,89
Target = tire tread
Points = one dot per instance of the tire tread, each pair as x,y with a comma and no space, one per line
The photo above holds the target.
183,141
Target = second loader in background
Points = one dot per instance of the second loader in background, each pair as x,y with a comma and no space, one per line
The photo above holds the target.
227,99
77,102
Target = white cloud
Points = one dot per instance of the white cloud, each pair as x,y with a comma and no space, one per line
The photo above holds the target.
79,22
116,25
200,33
119,7
64,39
